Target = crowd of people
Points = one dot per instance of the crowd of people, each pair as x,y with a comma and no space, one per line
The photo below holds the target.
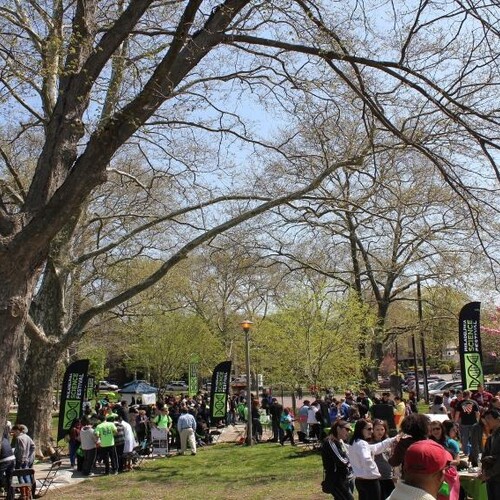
422,458
369,443
108,436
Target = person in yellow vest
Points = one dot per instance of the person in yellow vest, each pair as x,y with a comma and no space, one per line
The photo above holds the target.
399,411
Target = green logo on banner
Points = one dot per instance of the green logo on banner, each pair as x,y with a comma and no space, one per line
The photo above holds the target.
473,370
71,411
219,405
193,379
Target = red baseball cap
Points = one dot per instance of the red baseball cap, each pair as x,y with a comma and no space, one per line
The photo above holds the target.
426,457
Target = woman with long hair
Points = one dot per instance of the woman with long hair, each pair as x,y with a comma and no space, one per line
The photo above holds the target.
381,432
438,407
451,441
74,440
336,465
361,454
437,432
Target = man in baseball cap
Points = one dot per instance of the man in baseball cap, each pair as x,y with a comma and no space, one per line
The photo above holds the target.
424,465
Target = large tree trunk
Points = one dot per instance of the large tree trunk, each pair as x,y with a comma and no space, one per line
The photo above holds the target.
36,393
15,293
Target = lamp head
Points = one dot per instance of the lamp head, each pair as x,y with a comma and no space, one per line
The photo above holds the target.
246,325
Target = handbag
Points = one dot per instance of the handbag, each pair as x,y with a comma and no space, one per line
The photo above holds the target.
325,487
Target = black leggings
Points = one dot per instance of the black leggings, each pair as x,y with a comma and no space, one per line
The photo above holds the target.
386,487
368,489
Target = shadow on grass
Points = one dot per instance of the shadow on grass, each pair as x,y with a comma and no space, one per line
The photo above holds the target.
304,453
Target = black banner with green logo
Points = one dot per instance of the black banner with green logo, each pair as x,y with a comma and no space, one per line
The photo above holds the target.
90,387
219,391
73,392
193,376
470,352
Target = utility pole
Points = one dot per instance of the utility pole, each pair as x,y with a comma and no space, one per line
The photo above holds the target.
422,339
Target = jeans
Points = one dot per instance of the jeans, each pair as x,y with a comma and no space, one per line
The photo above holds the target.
24,465
465,434
73,446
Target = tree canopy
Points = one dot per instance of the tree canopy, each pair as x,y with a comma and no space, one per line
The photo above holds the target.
180,101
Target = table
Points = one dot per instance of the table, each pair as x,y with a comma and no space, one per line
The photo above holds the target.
474,488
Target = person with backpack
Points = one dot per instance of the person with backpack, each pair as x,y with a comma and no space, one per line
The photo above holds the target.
364,404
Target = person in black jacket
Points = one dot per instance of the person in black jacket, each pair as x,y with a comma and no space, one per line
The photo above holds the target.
491,455
338,472
275,410
7,459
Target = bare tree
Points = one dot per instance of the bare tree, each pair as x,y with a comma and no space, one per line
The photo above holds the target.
61,80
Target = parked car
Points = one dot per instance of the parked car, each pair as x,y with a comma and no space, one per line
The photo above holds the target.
432,382
104,385
492,386
177,385
457,386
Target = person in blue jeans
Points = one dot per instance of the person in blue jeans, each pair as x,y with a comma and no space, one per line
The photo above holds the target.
74,440
466,415
24,450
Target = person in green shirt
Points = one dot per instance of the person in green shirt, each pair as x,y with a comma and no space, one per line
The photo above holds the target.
105,432
163,420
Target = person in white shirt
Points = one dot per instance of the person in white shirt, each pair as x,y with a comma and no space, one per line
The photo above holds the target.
312,421
425,463
88,440
361,455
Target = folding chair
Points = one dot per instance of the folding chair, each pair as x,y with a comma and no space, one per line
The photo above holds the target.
26,491
45,483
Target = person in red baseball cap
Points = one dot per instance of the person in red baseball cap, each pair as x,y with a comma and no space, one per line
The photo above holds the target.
425,463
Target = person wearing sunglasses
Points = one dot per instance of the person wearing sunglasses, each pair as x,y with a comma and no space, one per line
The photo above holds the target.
362,457
337,468
437,433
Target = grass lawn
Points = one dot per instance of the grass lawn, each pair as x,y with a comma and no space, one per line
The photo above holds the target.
224,471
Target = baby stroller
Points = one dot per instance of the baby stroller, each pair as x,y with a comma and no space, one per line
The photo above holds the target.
139,453
145,448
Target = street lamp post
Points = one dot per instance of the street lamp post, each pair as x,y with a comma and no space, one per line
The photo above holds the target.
247,325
